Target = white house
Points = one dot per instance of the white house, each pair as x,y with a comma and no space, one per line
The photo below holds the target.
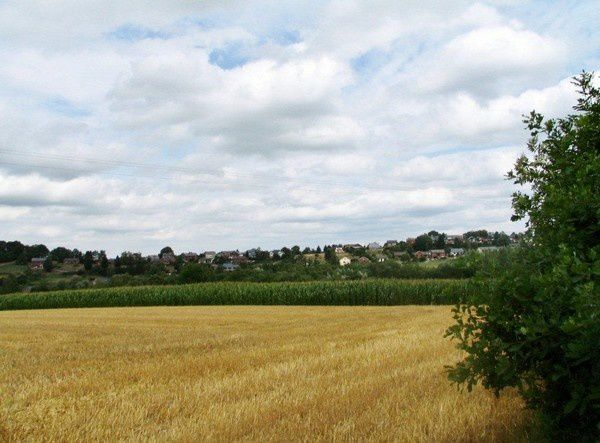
344,261
455,252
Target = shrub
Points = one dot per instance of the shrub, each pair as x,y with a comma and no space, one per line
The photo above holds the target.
538,328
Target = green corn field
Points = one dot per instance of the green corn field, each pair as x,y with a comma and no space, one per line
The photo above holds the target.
382,292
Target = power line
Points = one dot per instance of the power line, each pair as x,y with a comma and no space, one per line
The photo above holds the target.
211,178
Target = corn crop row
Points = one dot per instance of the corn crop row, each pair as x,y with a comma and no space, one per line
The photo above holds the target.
364,292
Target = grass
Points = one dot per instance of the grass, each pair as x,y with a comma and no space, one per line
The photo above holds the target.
12,268
363,292
231,373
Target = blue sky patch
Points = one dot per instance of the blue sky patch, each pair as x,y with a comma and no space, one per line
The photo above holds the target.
64,107
229,57
131,32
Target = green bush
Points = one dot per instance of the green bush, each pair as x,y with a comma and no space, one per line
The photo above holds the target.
538,327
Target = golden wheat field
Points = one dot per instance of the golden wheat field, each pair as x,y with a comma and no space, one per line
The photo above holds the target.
240,373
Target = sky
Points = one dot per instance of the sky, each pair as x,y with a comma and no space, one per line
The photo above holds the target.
212,125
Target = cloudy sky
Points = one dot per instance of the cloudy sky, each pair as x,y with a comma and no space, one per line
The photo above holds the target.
130,125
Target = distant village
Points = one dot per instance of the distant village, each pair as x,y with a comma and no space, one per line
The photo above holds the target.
430,246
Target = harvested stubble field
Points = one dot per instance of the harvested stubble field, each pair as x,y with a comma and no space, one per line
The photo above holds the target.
240,373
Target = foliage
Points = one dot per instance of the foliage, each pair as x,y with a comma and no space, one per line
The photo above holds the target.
59,254
196,273
165,250
88,260
363,292
423,243
48,265
538,328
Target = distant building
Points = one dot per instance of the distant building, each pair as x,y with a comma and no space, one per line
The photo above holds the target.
240,260
437,253
252,253
380,258
488,248
411,240
71,261
345,261
153,258
364,261
168,258
453,239
37,262
374,246
207,257
421,254
339,250
230,267
228,254
455,252
190,257
390,243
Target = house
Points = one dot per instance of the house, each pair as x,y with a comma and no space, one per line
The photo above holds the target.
345,261
488,248
380,258
230,267
453,239
275,253
37,263
437,253
364,261
153,258
374,246
208,257
168,258
455,252
228,254
252,253
190,257
73,261
240,260
352,246
421,254
339,250
411,240
390,244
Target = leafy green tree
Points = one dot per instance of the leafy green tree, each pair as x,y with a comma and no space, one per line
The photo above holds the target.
330,255
286,253
103,261
10,250
22,258
196,273
59,254
538,328
178,263
440,242
37,251
48,265
423,243
88,261
166,250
